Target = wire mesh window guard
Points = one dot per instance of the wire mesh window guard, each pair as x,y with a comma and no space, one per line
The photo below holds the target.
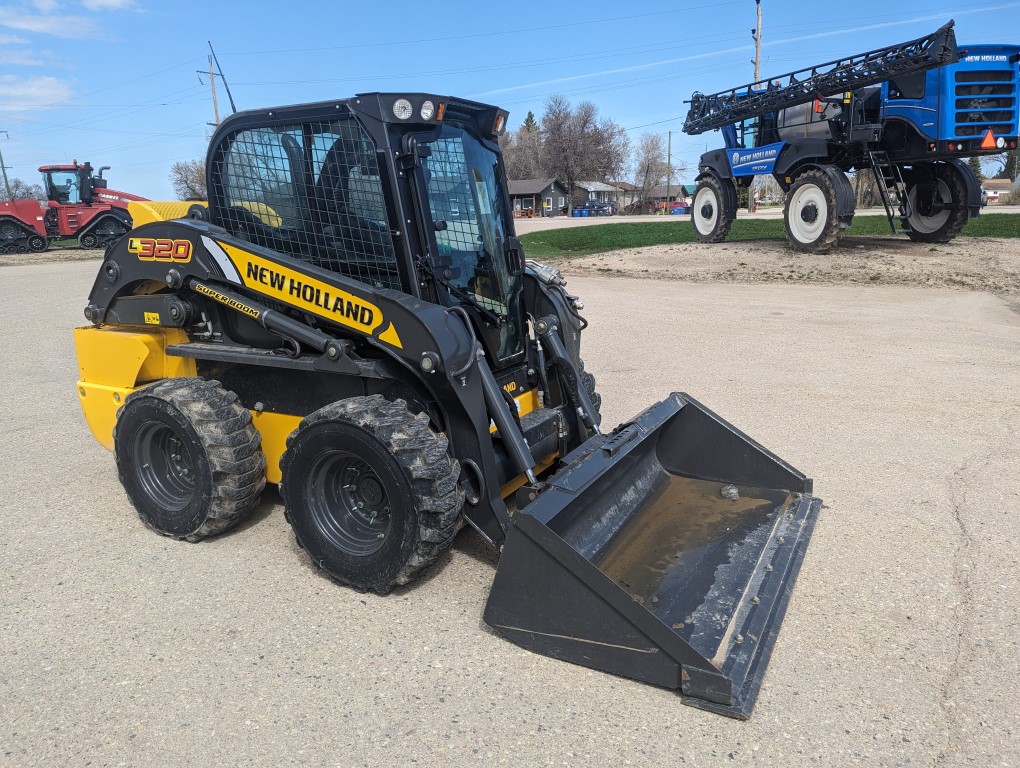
311,191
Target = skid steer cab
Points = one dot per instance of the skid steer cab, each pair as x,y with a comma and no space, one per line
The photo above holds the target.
356,322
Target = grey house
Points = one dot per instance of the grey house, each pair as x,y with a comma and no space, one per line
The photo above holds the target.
537,197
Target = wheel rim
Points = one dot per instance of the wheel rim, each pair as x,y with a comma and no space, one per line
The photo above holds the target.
705,210
37,243
348,503
922,216
808,212
166,467
89,241
9,232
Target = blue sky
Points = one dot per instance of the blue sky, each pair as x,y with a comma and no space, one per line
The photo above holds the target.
114,81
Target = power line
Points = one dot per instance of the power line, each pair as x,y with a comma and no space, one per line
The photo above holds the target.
479,35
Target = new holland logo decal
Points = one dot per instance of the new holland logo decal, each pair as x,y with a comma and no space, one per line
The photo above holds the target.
311,295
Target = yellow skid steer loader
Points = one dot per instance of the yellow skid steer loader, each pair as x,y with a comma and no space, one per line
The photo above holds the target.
353,319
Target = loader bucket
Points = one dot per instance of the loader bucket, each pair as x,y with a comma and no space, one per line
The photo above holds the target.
664,552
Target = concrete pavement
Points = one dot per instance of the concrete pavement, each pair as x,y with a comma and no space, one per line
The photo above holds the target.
119,647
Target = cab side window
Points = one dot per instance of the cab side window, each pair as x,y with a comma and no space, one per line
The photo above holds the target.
310,191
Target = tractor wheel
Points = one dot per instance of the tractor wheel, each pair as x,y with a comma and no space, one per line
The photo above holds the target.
810,213
89,240
371,492
588,382
189,457
38,243
938,203
708,215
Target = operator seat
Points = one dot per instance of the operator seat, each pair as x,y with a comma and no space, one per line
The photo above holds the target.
357,238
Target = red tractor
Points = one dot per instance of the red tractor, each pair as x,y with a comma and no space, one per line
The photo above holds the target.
81,206
22,226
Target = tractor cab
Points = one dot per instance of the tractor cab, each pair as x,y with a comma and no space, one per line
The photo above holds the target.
71,184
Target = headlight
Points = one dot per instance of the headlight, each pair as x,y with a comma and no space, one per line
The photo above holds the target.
427,110
402,109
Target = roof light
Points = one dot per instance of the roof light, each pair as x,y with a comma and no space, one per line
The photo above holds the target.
498,125
441,111
402,109
427,110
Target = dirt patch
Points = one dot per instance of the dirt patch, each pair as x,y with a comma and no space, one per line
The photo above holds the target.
53,255
967,263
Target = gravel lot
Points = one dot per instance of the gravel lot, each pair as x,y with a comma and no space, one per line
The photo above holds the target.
899,647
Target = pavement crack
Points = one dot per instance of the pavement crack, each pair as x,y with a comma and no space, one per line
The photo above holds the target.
964,567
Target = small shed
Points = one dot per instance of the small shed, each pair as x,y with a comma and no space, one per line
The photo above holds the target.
537,197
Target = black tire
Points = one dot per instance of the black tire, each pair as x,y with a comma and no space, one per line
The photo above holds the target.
38,243
708,214
589,384
189,457
89,240
937,195
809,215
198,212
371,492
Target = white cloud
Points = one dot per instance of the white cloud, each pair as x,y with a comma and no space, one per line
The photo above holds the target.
57,25
13,40
45,6
108,5
20,58
17,93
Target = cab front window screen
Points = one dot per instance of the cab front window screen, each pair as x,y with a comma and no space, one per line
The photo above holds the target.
464,194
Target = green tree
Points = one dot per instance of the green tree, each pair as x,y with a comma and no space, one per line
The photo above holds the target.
975,165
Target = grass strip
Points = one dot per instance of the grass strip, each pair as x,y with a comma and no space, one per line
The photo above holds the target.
615,236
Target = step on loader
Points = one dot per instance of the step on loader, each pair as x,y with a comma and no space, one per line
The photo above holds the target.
355,321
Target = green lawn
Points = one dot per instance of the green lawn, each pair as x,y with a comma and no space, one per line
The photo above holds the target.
599,238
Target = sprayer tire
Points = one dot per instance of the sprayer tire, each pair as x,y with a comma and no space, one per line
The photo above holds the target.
708,214
936,184
809,215
371,492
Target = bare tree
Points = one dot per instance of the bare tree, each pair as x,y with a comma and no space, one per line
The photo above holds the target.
188,178
649,163
578,145
21,190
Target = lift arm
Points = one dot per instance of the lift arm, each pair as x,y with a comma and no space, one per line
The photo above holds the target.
754,99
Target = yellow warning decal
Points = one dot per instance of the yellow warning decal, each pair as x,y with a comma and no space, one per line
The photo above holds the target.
310,294
152,318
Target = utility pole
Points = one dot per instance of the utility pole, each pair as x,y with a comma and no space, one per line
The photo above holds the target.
212,83
213,74
212,87
756,34
7,184
669,167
